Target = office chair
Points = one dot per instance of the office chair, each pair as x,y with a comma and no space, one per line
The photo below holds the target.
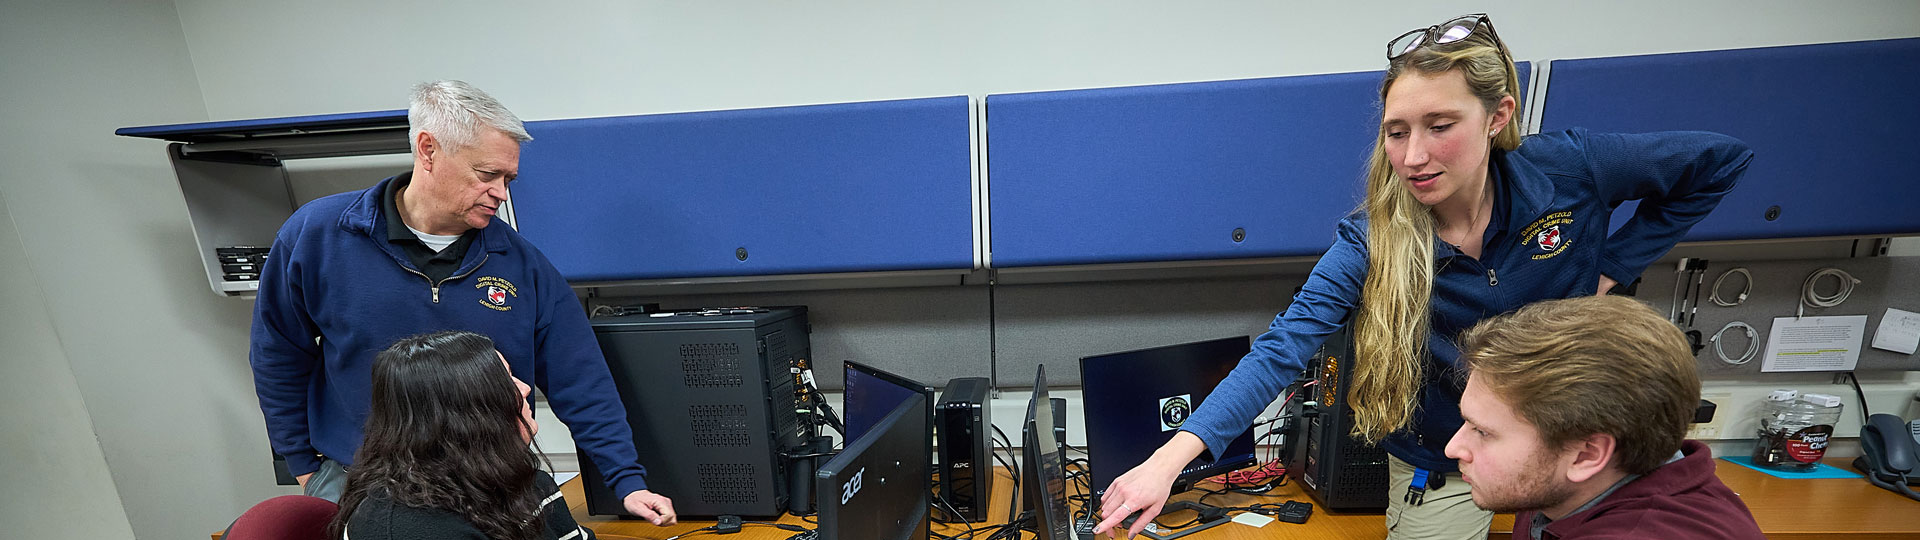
287,517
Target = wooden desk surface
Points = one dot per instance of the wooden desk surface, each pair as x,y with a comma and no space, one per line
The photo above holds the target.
1785,509
1822,508
612,528
1323,524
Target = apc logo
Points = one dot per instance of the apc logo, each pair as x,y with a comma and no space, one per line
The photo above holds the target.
852,487
1174,411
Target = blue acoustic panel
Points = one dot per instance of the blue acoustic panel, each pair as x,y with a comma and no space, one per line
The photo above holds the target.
1168,172
1827,124
826,188
275,127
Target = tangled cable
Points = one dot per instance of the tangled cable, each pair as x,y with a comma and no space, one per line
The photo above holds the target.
1753,344
1744,289
1809,298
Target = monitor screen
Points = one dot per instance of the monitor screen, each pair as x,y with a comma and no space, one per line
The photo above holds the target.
878,486
1044,478
1135,401
872,393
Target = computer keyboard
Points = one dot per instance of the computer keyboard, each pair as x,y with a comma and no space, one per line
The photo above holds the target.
805,535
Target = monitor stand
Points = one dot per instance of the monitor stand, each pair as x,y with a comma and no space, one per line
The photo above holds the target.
1155,532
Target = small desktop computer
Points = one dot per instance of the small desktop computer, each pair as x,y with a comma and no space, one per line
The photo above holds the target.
1338,469
712,398
966,448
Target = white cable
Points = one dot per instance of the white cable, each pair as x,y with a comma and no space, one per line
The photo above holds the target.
1808,298
1748,288
1753,344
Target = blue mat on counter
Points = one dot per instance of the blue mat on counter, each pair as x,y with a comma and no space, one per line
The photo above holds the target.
1820,470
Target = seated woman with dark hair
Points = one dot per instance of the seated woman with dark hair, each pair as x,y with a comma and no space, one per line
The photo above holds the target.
446,451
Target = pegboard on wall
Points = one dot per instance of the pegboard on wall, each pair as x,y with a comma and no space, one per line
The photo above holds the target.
1885,282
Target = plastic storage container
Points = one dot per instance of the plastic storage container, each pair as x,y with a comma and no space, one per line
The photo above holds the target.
1794,429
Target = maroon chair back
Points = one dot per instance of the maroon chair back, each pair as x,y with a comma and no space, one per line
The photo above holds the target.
287,517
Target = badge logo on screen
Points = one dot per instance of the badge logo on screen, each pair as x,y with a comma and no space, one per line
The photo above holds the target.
1174,411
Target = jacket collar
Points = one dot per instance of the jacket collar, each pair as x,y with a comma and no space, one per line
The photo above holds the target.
1692,472
365,216
1526,199
1519,201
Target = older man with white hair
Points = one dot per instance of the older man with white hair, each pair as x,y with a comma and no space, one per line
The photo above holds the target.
350,274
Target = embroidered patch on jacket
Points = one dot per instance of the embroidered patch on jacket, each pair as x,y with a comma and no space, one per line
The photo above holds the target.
496,292
1545,235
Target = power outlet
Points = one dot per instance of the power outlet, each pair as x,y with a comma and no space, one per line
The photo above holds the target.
1715,429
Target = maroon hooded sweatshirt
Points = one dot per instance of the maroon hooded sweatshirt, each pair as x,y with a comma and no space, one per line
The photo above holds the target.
1679,500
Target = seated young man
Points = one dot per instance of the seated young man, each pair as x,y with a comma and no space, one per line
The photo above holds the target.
1576,413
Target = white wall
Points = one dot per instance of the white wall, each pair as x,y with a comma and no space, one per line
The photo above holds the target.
160,362
104,298
56,475
613,57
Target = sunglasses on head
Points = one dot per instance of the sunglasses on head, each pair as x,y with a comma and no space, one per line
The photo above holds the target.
1453,30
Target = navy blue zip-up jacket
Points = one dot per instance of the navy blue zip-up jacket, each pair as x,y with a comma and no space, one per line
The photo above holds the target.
1547,239
334,293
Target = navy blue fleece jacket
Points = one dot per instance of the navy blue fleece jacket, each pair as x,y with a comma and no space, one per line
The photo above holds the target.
334,293
1547,239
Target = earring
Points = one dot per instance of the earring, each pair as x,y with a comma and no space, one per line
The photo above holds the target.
1490,134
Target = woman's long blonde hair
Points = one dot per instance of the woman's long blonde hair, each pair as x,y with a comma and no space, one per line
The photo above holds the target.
1390,332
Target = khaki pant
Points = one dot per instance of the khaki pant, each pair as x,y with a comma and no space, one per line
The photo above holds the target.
1446,513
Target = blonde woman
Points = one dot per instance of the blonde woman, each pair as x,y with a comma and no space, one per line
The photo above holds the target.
1463,220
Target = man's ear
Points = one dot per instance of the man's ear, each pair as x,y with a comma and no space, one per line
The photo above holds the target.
1589,456
425,148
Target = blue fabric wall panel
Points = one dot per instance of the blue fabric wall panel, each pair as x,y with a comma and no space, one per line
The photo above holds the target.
828,188
1167,172
1826,122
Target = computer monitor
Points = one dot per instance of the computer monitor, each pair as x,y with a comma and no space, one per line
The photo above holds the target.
1135,401
1043,476
877,487
872,393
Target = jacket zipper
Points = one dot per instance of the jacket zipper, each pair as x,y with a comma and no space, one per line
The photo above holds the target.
1492,280
435,287
423,275
476,268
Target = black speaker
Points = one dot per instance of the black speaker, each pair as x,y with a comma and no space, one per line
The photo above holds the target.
1339,470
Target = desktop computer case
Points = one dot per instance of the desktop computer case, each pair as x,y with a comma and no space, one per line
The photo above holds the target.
712,403
1338,469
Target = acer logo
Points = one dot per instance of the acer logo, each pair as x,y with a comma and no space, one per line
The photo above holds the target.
852,486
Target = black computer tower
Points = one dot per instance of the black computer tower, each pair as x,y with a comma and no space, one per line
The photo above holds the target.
712,402
1338,469
966,447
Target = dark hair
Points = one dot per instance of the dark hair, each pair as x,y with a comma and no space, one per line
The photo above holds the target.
445,433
